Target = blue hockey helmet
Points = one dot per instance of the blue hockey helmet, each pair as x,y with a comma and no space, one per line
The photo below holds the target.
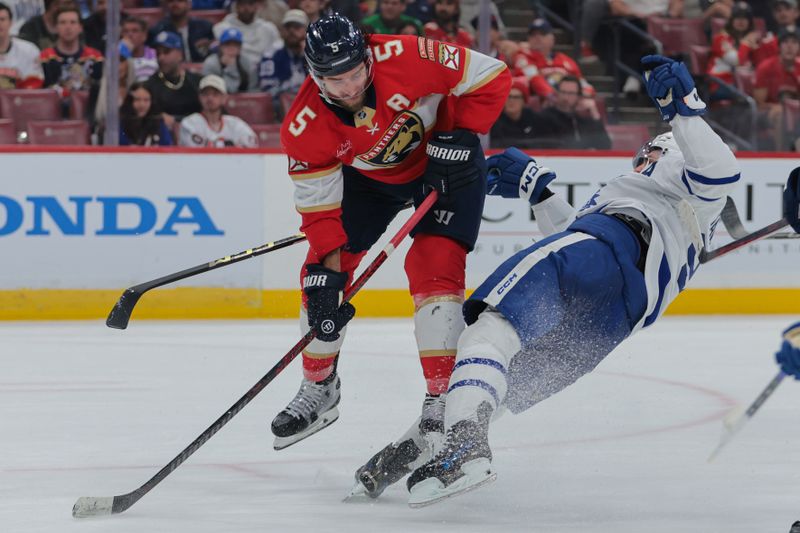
334,45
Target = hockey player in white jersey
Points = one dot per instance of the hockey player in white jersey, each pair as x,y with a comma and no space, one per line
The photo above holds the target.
552,312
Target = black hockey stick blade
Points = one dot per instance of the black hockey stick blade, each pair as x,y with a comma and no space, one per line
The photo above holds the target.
121,313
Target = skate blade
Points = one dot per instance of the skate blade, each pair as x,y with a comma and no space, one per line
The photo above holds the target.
325,420
358,493
477,473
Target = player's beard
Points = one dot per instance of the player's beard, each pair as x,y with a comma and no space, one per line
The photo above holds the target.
352,105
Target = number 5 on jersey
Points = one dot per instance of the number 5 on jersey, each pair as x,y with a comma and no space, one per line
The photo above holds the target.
299,123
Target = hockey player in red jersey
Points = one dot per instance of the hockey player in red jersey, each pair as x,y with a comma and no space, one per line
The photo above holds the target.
356,137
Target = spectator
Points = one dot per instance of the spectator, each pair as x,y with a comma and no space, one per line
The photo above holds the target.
695,9
777,78
444,26
543,67
123,82
142,57
410,28
496,46
68,65
312,8
633,47
283,71
196,34
572,121
141,123
785,14
174,89
41,29
732,48
94,27
209,4
20,67
470,9
349,8
258,35
210,127
273,11
390,18
229,64
516,124
422,10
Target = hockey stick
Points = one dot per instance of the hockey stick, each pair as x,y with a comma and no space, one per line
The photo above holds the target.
733,223
736,419
87,506
706,256
731,220
120,315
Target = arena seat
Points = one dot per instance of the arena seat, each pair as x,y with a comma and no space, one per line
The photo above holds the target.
628,137
58,132
698,59
677,35
79,105
8,134
269,135
791,115
253,108
24,105
211,15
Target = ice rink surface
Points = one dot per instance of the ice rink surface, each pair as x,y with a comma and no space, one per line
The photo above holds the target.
88,411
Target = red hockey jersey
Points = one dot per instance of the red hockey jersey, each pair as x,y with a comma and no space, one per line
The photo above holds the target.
420,85
544,73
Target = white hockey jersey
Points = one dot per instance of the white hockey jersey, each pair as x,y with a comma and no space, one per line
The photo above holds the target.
20,66
196,132
699,177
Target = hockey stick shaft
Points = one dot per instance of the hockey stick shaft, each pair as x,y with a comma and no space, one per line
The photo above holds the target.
732,427
91,506
744,241
120,315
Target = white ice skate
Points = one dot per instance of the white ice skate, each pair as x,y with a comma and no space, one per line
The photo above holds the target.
463,464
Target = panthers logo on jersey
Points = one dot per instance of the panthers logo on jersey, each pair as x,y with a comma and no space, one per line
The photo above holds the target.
401,138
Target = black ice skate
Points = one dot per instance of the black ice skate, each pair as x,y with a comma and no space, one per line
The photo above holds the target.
312,409
463,464
399,458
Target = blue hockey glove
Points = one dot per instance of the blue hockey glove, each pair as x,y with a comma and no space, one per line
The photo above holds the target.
512,174
788,356
791,200
671,87
451,160
323,288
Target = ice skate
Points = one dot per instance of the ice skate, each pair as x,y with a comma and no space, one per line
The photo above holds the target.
463,464
399,458
312,409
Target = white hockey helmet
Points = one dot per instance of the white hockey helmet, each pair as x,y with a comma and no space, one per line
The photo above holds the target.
664,142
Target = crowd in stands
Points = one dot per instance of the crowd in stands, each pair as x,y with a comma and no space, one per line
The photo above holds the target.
223,73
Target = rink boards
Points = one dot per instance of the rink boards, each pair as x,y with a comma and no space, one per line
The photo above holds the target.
77,227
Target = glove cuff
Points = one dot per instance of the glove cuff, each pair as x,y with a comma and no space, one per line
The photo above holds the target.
320,277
